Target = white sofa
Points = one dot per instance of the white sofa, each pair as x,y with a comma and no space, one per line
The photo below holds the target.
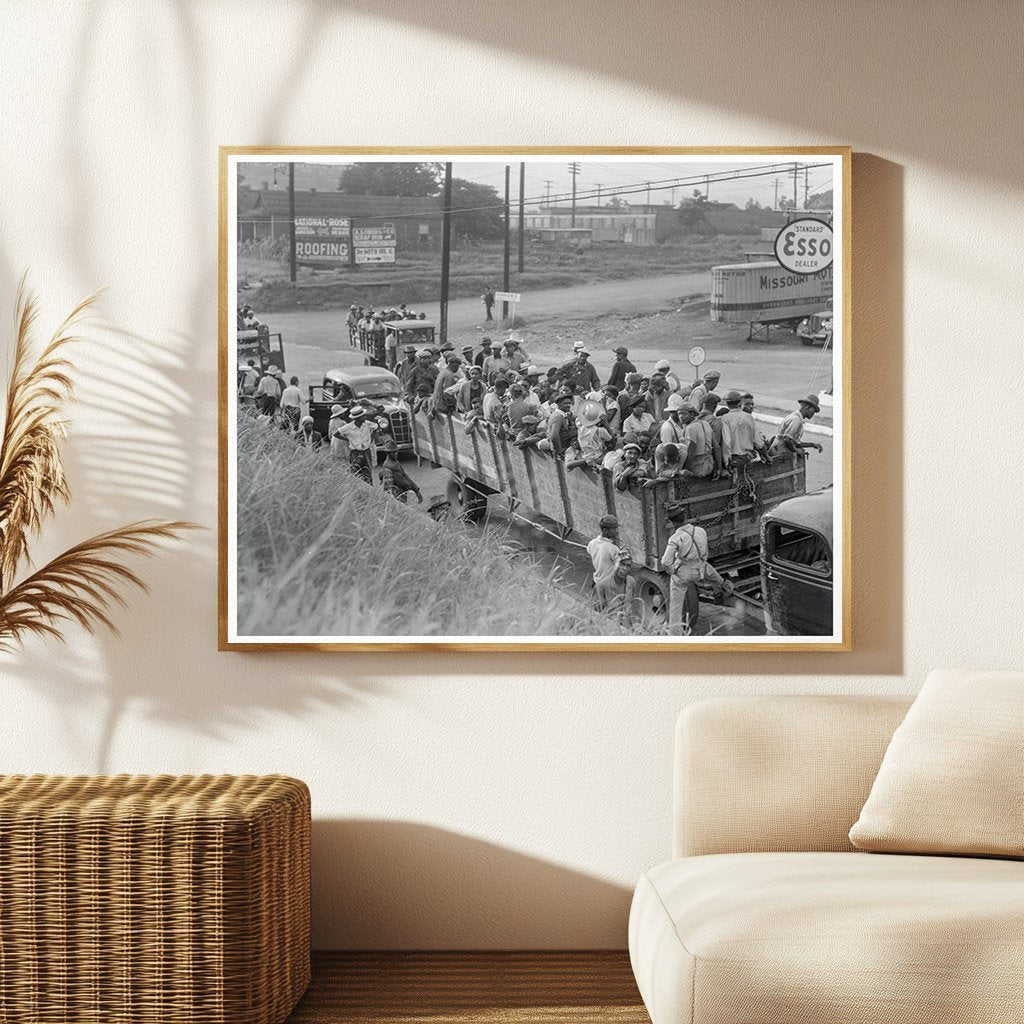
768,915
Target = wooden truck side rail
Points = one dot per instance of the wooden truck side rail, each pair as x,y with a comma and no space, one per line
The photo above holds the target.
575,499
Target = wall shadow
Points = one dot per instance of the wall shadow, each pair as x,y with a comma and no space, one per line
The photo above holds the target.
404,885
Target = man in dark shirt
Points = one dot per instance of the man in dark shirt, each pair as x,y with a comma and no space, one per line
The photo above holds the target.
620,368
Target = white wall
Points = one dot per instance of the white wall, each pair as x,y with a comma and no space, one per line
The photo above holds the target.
482,800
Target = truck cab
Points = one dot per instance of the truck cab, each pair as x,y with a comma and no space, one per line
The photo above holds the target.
796,566
397,333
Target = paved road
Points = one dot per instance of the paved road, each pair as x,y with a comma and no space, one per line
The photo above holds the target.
325,328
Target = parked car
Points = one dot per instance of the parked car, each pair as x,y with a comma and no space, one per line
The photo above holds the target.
816,329
374,388
796,565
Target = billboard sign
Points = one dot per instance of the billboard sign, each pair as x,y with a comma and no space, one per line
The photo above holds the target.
374,242
375,254
322,239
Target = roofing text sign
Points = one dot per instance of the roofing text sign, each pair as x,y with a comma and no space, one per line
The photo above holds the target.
322,239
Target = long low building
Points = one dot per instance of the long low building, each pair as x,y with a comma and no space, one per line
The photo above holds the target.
331,221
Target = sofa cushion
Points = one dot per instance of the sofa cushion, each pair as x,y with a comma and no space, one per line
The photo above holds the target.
830,938
950,781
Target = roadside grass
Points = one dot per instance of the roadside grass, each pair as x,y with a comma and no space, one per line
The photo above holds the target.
322,554
477,265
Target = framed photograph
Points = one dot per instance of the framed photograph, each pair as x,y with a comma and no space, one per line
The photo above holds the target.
504,399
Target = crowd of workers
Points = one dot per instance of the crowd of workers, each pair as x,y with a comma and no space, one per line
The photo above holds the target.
640,427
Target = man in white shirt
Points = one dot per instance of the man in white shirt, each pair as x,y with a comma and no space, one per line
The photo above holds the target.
291,403
359,435
268,392
791,430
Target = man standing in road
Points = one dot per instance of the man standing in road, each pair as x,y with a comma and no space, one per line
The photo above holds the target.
291,403
359,435
686,561
620,368
488,300
268,392
791,430
404,369
613,583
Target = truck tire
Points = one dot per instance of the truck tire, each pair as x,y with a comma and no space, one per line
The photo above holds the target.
652,596
467,501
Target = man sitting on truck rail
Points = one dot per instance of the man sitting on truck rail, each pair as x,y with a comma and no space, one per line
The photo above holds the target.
741,437
703,388
791,430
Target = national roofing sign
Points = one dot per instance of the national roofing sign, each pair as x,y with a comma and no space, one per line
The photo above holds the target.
322,239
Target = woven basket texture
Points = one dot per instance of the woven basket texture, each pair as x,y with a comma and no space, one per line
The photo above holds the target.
142,899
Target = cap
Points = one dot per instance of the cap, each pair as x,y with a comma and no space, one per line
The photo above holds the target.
305,420
408,348
712,375
675,402
447,347
621,351
733,396
477,370
662,365
335,410
608,522
577,345
631,446
486,342
675,510
532,371
812,401
424,353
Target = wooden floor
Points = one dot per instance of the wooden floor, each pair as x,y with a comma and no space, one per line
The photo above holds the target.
467,988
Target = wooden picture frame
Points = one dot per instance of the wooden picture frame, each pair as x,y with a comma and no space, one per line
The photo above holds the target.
789,163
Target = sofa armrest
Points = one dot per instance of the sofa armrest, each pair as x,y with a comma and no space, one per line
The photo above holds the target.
787,773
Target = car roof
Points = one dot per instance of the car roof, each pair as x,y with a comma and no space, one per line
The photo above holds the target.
409,325
362,375
811,511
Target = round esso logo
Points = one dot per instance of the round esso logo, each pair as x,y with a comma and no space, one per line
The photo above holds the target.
804,246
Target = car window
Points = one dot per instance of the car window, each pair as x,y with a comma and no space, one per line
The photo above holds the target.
375,389
800,547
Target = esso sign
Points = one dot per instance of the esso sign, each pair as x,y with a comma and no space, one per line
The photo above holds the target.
804,246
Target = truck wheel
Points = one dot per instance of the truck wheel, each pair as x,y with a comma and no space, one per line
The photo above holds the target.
467,502
652,596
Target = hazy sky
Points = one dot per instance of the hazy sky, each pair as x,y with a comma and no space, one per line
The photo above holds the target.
610,175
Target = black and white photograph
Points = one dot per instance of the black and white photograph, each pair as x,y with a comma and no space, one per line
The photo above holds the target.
580,398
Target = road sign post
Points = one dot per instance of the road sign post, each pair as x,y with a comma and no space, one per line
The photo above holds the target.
513,298
695,357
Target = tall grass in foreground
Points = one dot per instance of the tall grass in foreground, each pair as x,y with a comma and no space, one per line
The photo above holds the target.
322,554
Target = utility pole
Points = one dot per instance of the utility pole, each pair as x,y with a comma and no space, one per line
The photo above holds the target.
522,202
796,175
504,285
776,206
574,169
647,204
293,265
598,195
547,191
807,185
446,248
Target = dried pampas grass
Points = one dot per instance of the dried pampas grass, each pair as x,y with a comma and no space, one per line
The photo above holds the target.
82,584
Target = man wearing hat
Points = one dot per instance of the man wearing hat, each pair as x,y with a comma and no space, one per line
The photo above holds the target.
494,401
468,358
404,369
703,388
631,466
351,320
561,425
685,559
579,374
612,563
639,420
494,364
268,391
791,430
592,439
627,396
420,384
741,438
339,446
515,355
358,432
620,368
484,353
401,483
446,384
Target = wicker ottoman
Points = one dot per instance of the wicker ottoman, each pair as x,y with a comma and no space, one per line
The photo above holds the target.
131,899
